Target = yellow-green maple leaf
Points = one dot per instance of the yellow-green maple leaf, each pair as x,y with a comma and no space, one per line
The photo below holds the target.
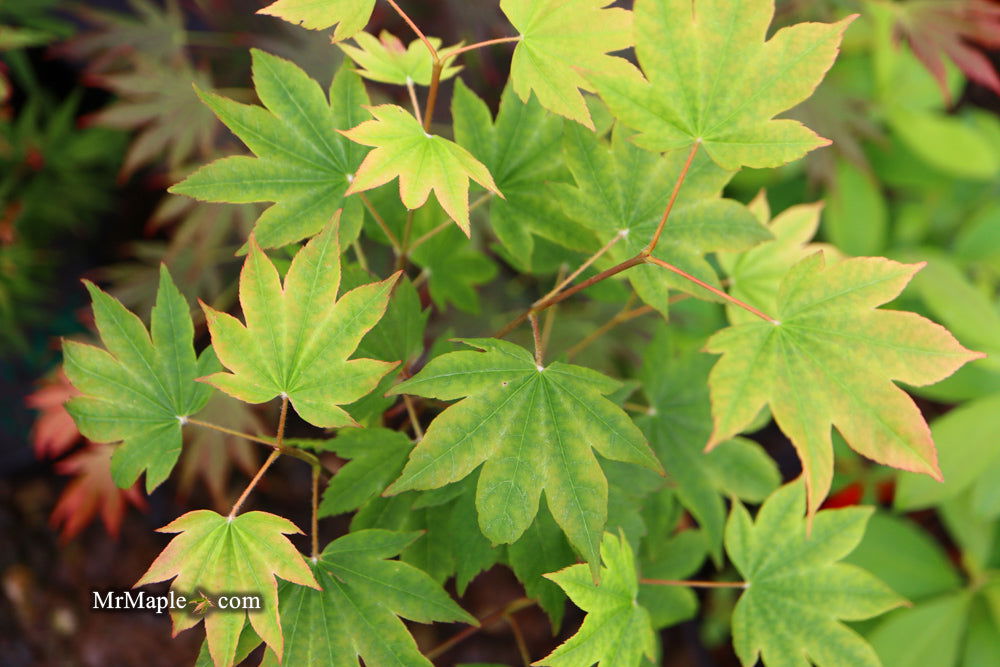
828,359
298,336
215,555
712,79
422,161
350,16
559,39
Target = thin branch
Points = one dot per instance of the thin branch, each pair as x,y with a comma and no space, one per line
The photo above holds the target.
432,93
673,197
693,583
404,249
360,254
622,317
478,45
635,407
314,529
393,241
522,646
485,622
550,314
294,452
229,431
533,318
447,222
279,438
418,432
562,296
583,267
253,482
413,100
714,290
415,29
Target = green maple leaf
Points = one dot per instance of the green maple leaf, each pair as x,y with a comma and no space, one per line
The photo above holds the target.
302,163
385,59
558,39
795,578
422,161
226,555
522,149
376,457
617,631
356,612
542,549
755,274
297,337
675,379
534,428
139,391
350,16
622,190
712,79
829,360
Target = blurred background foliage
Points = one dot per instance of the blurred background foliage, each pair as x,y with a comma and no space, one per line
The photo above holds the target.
98,116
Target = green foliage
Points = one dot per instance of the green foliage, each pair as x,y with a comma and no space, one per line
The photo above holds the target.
423,162
616,630
796,578
711,80
367,593
309,334
215,554
138,390
795,364
572,217
302,163
534,427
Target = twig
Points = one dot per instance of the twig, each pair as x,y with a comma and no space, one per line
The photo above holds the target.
415,29
432,93
673,197
478,45
253,482
485,622
239,434
315,513
538,339
583,267
418,432
714,290
446,223
562,296
393,241
413,100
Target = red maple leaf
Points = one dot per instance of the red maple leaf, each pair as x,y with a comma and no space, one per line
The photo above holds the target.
91,491
958,29
54,431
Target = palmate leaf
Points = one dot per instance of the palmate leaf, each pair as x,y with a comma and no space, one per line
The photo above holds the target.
623,189
350,16
558,39
215,555
356,612
795,578
829,359
755,274
521,148
617,631
298,336
302,163
534,428
712,79
422,162
140,390
385,59
157,102
675,380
